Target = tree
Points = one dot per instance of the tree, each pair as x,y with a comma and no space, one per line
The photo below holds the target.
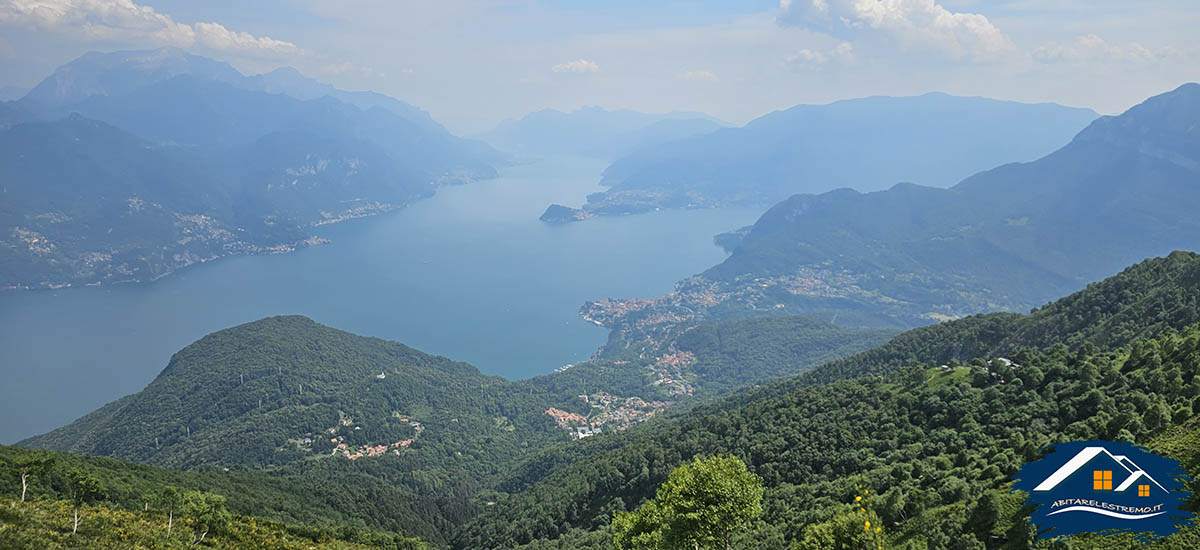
985,516
854,529
29,466
169,499
207,512
701,505
640,529
85,488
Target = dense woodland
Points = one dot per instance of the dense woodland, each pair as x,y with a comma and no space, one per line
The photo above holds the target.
900,425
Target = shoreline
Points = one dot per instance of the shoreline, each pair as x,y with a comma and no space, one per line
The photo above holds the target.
361,212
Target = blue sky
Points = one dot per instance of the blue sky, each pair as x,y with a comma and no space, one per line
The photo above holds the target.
472,63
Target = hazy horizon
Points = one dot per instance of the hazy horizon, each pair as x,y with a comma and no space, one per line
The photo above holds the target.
732,62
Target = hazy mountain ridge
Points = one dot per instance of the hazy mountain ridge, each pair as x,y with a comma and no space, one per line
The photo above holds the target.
1007,239
145,210
266,164
865,144
595,132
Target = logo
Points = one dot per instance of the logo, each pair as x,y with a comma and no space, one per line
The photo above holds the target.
1104,487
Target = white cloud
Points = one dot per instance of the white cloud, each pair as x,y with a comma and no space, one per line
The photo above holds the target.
815,59
123,20
910,24
348,68
579,66
217,37
1090,48
702,76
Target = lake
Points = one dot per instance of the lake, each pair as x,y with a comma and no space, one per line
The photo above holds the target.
470,274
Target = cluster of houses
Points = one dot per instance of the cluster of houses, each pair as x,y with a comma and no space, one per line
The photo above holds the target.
565,419
353,453
613,412
668,372
628,412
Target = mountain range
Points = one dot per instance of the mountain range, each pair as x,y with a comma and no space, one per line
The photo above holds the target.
866,144
595,132
1006,239
161,159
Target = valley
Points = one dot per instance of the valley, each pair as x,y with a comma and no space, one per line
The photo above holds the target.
69,351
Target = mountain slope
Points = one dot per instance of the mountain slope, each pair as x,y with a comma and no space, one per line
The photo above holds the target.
927,441
275,383
865,144
83,200
303,505
270,383
383,436
277,163
118,73
1008,238
289,81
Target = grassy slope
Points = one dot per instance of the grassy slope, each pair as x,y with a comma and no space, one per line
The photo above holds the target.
46,525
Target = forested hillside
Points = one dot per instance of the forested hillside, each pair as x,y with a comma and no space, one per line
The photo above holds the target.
1139,302
283,387
933,425
387,437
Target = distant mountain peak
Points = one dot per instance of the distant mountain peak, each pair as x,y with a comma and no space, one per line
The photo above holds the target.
114,73
287,70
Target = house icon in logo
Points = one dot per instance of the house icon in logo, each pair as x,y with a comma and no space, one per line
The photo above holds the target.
1103,466
1104,486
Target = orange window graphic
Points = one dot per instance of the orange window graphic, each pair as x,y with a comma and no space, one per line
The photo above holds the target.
1102,480
1143,490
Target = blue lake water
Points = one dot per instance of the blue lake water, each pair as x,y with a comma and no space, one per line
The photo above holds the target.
470,274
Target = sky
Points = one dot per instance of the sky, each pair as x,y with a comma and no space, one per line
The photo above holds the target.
473,63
